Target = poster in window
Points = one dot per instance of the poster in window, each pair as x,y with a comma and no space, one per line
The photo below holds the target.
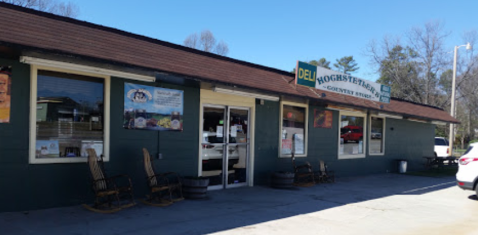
286,146
323,118
47,149
298,143
152,108
5,93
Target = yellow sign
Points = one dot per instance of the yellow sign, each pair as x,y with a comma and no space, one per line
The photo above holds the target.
5,97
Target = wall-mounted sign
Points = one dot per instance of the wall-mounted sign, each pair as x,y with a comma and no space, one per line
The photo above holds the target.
323,118
328,80
152,108
5,93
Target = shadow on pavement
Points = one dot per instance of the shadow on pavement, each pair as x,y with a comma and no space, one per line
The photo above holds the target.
223,210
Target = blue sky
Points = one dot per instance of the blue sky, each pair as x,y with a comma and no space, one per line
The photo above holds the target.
278,33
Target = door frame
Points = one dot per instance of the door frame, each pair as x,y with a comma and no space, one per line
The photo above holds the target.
211,99
225,145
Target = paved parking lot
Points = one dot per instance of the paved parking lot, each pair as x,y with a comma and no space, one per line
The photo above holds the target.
379,204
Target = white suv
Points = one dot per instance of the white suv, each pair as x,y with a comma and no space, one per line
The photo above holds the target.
441,147
467,175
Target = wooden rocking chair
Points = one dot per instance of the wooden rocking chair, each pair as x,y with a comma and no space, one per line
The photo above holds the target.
304,176
324,175
165,188
110,192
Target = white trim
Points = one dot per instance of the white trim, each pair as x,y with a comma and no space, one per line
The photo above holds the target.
84,68
370,135
417,120
439,123
246,94
306,127
390,116
210,98
33,113
364,136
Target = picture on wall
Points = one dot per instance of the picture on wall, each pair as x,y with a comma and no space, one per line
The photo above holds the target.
323,118
5,93
152,108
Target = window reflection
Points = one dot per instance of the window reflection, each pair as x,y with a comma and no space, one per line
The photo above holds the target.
293,129
376,135
351,135
69,115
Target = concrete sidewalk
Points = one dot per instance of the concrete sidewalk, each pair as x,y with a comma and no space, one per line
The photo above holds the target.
379,204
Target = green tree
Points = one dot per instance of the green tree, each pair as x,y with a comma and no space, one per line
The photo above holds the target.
346,65
399,71
322,62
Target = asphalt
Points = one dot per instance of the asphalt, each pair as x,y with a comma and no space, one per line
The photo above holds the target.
377,204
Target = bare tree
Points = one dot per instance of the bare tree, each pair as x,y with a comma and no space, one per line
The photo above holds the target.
191,41
428,42
206,42
52,6
420,70
222,48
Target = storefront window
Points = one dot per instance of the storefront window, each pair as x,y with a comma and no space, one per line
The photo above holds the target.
69,116
293,133
376,142
352,136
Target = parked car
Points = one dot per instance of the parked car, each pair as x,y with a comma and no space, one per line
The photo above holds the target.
467,175
376,135
441,147
351,133
212,152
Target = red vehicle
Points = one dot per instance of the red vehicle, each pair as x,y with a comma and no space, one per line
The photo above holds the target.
351,133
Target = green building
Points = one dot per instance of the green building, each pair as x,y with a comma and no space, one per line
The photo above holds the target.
232,121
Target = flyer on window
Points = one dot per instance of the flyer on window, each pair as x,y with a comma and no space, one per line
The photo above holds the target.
152,108
5,93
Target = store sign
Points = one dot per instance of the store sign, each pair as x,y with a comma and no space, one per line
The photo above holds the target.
152,108
5,93
329,80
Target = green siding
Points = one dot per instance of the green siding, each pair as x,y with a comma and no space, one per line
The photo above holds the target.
179,149
266,142
36,186
408,140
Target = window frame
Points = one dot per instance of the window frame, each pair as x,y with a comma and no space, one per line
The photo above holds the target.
306,127
33,114
383,135
364,138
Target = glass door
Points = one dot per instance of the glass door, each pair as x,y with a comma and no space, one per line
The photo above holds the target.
225,146
238,146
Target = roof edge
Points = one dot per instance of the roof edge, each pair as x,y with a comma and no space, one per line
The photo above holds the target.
138,37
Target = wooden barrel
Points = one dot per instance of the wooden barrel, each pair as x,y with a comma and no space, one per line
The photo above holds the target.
282,179
195,187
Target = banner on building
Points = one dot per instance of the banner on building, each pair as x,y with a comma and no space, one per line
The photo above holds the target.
5,93
152,108
328,80
323,118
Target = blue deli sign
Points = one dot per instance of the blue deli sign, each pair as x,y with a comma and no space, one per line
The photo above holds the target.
329,80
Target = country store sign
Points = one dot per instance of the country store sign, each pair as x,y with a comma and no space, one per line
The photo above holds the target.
328,80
